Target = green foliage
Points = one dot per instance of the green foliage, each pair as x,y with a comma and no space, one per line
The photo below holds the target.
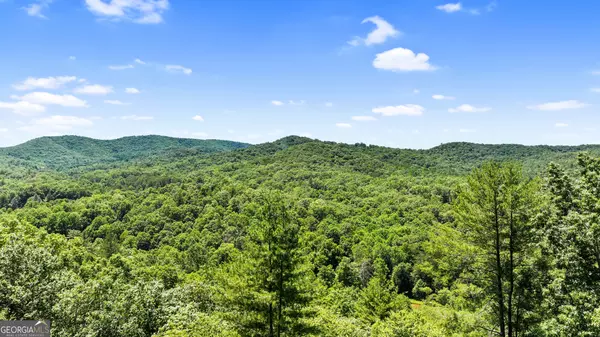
155,236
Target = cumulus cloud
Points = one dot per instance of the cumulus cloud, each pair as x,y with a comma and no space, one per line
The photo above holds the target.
407,110
94,89
138,11
363,118
137,118
46,98
138,61
556,106
174,68
382,32
468,108
198,118
45,83
402,59
23,107
278,103
443,97
343,125
450,7
132,91
115,102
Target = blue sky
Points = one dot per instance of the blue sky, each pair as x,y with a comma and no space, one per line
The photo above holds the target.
403,73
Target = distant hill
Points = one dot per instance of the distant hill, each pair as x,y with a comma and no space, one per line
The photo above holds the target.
73,151
68,152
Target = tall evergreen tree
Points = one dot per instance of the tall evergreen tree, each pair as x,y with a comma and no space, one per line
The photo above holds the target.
494,209
274,296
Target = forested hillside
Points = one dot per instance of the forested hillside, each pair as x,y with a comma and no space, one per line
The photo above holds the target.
154,236
66,152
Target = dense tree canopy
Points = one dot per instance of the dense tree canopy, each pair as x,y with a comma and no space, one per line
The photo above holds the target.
163,237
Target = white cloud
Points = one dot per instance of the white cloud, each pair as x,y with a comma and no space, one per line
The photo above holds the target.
382,32
3,130
174,68
138,61
343,125
138,11
407,110
198,118
72,58
46,98
561,125
328,104
23,107
278,103
137,118
94,89
597,90
556,106
450,8
115,102
46,83
121,67
56,124
416,91
442,97
132,91
301,102
35,9
363,118
468,108
402,59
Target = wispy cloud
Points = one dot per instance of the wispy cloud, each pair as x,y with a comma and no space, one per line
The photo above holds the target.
383,31
343,125
137,11
23,108
35,9
561,125
363,118
278,103
132,91
137,118
407,110
46,98
94,89
557,106
115,102
121,67
443,97
468,108
175,68
45,83
450,8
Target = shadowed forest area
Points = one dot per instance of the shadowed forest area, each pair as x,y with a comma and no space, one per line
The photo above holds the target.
165,237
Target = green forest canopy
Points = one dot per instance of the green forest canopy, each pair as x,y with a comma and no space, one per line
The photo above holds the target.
157,236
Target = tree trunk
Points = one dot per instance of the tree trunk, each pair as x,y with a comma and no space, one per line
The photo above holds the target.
511,275
500,294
